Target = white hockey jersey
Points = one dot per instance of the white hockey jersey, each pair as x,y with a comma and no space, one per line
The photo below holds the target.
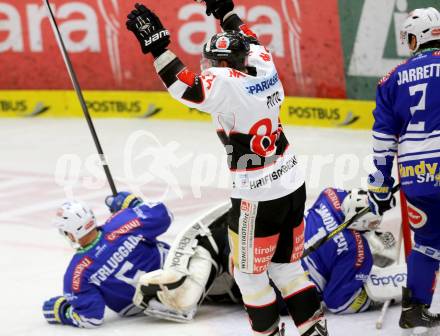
245,111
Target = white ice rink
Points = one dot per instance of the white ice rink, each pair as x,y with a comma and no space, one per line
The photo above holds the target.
44,161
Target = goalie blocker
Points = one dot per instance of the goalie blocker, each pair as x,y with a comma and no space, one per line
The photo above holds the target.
196,266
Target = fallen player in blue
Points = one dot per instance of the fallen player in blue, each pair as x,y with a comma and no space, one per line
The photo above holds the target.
110,259
122,264
354,271
357,268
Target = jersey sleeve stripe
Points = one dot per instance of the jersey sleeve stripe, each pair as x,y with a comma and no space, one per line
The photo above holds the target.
380,145
317,278
427,146
419,136
393,151
347,306
384,135
383,139
419,155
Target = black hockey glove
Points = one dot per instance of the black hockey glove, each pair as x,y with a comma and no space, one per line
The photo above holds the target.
148,29
218,8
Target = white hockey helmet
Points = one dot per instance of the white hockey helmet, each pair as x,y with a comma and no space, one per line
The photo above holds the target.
424,24
75,220
355,201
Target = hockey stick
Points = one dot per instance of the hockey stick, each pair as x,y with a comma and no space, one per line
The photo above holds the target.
79,93
341,227
383,312
386,305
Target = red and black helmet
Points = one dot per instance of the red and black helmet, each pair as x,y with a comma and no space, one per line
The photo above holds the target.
230,46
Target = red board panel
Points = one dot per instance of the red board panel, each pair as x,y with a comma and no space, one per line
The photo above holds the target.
305,41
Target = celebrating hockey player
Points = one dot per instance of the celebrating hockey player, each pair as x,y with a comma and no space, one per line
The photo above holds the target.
240,87
407,124
347,269
110,260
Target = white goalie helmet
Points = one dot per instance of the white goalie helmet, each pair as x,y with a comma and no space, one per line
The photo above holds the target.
424,24
76,220
355,201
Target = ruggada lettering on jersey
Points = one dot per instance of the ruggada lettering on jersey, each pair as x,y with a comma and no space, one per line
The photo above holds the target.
115,260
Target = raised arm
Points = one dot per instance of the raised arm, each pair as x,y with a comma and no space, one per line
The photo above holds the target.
149,219
203,92
223,10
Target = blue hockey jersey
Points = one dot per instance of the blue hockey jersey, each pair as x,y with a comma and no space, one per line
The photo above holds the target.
106,272
340,267
407,123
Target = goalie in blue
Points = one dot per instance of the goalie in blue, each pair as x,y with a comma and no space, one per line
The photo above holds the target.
407,125
123,266
349,268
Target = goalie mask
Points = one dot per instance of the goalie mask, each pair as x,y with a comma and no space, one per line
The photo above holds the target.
424,24
355,201
74,221
230,46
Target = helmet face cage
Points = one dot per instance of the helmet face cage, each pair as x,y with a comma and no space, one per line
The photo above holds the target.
355,201
207,63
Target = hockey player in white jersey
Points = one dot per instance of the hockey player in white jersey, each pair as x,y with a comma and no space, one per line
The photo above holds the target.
240,87
407,124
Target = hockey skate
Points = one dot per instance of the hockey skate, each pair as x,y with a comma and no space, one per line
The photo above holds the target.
279,332
416,319
320,327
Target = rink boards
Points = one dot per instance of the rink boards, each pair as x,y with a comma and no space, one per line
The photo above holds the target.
351,114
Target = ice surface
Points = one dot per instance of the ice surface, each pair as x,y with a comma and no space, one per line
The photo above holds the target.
34,180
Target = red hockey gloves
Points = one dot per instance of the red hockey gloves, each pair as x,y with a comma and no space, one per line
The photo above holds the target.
148,29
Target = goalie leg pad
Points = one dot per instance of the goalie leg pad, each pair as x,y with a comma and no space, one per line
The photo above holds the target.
383,247
386,283
175,289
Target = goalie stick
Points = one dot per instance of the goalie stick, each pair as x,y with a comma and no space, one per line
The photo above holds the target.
405,240
79,93
341,227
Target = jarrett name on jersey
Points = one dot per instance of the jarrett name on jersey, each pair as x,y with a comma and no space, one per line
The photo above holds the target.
106,272
407,121
340,267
